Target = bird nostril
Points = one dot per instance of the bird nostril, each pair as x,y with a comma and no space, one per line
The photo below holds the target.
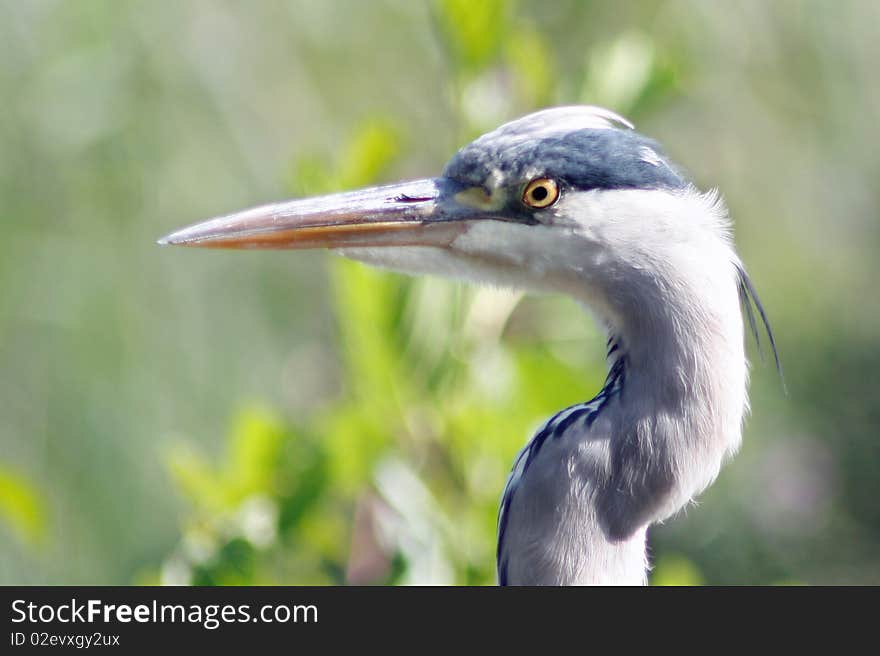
403,198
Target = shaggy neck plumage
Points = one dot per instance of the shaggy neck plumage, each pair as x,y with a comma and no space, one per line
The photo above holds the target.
677,416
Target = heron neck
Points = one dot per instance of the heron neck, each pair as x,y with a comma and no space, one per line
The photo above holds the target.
680,411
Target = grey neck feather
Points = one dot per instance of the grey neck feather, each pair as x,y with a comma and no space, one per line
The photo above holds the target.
677,416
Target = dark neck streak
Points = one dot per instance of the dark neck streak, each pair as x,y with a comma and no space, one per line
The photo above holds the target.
589,410
682,412
557,426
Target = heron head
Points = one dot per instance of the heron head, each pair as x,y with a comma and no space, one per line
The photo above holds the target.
552,200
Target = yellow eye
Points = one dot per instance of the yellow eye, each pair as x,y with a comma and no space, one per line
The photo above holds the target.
540,193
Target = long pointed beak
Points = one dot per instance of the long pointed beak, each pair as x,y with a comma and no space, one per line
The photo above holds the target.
417,213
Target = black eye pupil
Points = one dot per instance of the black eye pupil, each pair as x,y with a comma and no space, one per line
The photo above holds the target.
539,193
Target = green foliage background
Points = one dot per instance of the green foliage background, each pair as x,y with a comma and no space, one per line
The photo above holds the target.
291,418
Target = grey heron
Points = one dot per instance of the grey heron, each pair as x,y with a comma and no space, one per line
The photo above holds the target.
571,200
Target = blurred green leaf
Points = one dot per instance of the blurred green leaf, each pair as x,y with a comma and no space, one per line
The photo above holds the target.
368,311
472,32
249,465
195,478
628,74
22,507
252,461
364,158
531,61
675,570
368,154
311,175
